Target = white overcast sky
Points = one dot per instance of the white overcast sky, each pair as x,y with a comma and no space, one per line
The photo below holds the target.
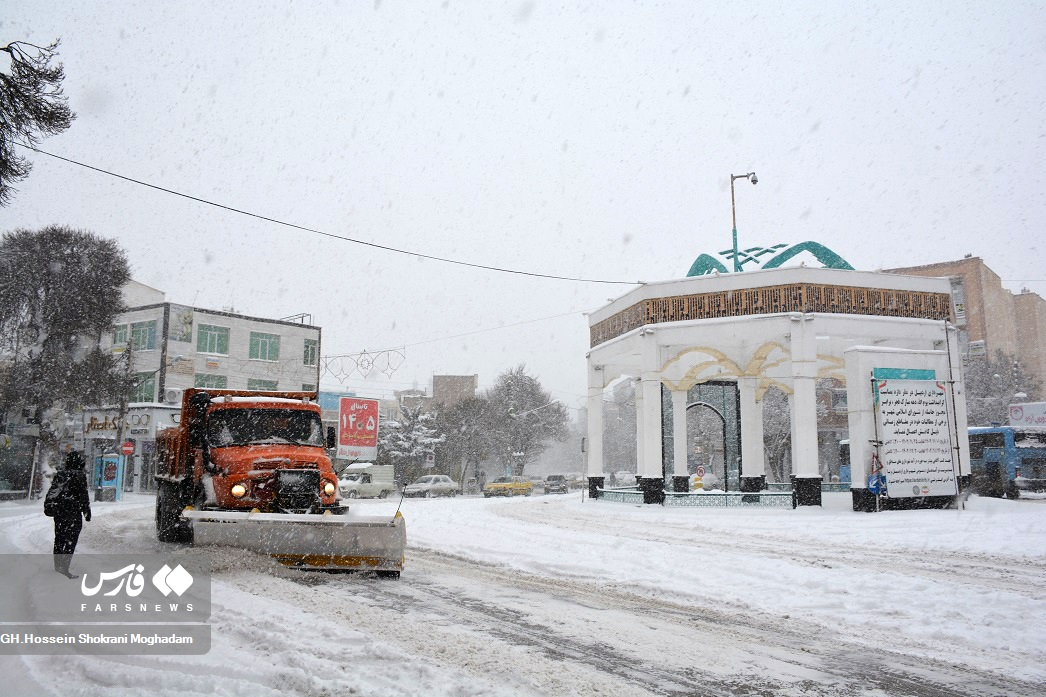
587,141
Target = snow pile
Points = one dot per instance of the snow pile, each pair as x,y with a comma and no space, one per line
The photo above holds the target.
960,588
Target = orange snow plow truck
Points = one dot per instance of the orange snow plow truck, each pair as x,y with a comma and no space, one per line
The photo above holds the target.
249,469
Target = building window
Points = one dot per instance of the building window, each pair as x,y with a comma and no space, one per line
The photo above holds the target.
214,382
312,352
120,335
143,335
264,347
212,339
255,384
308,387
145,387
839,401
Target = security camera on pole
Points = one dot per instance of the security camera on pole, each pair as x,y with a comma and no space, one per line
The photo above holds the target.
733,210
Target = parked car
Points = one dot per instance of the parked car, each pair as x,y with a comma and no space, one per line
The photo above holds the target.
508,486
537,481
432,485
556,484
624,478
367,480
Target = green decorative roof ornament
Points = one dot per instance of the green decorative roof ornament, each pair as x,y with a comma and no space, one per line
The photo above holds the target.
830,259
708,264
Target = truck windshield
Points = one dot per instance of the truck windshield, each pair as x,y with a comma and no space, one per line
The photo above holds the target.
251,426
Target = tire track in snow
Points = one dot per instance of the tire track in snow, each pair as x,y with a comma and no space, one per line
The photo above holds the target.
996,572
835,665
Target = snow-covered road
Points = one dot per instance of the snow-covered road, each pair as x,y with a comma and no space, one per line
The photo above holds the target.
558,596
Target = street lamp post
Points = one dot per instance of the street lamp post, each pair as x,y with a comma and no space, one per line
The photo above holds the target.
733,210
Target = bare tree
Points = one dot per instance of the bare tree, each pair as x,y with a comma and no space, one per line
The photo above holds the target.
31,106
59,292
993,384
619,430
466,444
777,429
777,434
523,419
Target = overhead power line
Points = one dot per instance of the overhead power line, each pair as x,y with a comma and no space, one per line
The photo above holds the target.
329,234
477,331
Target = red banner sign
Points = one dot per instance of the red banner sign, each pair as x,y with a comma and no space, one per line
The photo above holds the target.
358,428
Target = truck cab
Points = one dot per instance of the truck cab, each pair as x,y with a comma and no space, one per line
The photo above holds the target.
243,451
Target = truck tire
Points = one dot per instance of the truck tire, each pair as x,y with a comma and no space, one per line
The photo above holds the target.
384,494
387,574
353,494
169,527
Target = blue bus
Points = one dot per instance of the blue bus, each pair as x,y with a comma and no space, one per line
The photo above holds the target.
1004,460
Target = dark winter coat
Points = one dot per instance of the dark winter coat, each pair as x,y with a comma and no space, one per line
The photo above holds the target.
68,495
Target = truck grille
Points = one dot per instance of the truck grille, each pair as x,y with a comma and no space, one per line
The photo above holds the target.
297,490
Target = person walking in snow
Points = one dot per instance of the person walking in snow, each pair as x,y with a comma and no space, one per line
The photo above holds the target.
66,502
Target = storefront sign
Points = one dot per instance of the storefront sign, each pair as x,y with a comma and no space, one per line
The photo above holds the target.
1029,414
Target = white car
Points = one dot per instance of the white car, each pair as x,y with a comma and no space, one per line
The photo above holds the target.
432,485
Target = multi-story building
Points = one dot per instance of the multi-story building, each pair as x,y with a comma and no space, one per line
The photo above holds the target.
170,347
173,347
990,318
448,390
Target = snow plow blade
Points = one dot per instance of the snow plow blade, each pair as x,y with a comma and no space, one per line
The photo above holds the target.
308,541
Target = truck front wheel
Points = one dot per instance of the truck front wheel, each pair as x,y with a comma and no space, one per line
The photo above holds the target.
169,526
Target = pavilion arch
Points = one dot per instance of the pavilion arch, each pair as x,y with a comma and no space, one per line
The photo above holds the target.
780,328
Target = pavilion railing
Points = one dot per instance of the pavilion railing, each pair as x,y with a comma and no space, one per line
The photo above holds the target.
731,499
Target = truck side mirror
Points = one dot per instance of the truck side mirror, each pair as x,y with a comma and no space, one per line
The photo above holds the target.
332,438
198,418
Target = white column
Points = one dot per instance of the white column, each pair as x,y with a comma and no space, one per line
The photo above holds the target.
595,422
651,442
640,425
753,461
804,397
650,416
679,433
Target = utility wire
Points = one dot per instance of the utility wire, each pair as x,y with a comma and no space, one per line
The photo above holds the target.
475,331
328,234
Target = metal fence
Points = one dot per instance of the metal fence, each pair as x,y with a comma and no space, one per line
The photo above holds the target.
776,495
629,495
719,499
732,499
837,487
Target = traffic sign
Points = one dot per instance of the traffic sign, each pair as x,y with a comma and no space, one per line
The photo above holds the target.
127,448
700,470
877,483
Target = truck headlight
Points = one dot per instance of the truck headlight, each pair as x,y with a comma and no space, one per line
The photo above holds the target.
328,489
238,491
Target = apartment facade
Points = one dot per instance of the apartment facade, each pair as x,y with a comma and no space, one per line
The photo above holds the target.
172,347
169,348
990,318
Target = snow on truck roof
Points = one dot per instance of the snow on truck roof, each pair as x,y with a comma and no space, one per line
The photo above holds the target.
284,400
359,466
